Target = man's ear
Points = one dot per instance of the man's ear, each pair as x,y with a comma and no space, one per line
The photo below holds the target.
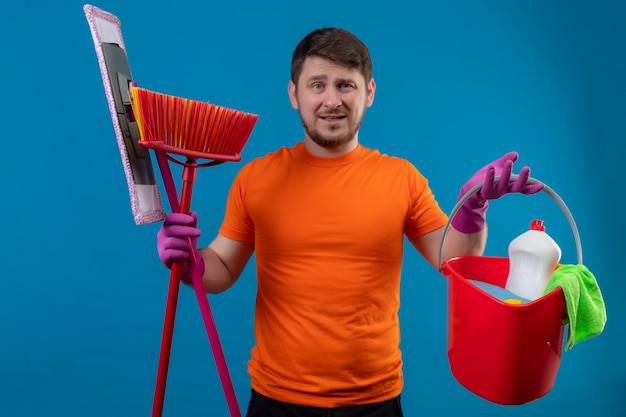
371,90
291,89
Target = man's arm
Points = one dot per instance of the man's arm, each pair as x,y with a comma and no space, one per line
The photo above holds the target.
224,261
468,234
220,264
456,244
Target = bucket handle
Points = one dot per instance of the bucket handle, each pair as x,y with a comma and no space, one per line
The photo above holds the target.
531,180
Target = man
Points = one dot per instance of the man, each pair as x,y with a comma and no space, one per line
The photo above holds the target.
327,219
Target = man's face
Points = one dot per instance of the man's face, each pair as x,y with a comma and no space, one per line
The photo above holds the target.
331,100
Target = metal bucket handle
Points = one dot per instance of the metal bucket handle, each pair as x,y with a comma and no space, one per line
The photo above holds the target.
531,180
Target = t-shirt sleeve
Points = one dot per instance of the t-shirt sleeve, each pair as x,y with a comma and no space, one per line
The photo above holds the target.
237,224
424,215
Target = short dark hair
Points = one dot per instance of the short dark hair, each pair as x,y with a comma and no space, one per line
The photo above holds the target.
336,45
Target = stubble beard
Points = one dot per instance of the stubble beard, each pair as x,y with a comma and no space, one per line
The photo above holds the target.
327,142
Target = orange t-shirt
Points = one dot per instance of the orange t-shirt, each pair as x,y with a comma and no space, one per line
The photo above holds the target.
328,236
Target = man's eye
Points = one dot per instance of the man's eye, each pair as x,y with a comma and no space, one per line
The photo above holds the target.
345,86
317,86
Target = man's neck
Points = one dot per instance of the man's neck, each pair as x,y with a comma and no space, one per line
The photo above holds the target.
324,152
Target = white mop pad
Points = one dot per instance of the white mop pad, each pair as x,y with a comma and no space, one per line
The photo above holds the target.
142,185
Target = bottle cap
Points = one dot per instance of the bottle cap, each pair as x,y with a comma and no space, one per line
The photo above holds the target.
537,225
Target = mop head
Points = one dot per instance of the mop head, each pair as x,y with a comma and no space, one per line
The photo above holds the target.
142,185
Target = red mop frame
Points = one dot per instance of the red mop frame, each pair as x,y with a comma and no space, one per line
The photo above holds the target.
508,354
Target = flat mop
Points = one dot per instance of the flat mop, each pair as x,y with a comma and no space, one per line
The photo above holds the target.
145,200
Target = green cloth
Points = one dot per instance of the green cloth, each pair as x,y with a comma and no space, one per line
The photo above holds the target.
585,307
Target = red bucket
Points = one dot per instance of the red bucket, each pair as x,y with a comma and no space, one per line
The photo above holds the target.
505,353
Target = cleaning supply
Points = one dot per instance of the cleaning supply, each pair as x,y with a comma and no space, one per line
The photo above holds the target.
498,292
503,351
586,311
218,136
533,257
145,200
194,130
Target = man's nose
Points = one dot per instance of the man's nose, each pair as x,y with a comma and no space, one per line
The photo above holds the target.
332,99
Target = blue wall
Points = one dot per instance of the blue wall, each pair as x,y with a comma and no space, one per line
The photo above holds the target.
459,84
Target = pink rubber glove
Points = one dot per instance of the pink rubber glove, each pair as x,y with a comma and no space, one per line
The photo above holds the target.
471,217
173,242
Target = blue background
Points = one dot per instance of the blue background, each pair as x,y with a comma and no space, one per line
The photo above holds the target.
459,84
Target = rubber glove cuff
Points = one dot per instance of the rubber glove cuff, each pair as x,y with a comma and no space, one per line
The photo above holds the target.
472,216
186,274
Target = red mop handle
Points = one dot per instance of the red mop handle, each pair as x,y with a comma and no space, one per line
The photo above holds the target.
166,339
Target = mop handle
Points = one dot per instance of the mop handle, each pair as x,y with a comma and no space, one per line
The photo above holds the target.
203,302
546,189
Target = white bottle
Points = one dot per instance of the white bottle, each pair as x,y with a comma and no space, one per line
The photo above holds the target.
533,257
